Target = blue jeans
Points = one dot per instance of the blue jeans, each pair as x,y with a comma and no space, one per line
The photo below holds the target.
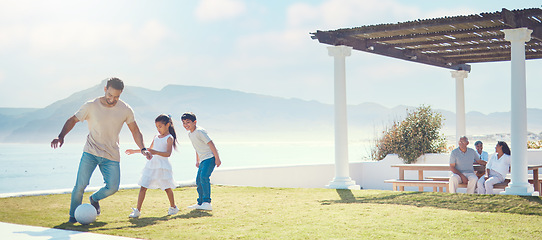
203,182
110,172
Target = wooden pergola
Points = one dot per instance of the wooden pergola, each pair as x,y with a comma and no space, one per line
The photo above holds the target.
449,42
452,43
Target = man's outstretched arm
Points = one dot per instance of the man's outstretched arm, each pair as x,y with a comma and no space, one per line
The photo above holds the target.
138,138
68,126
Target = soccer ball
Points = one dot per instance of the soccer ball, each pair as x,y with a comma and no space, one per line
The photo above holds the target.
85,214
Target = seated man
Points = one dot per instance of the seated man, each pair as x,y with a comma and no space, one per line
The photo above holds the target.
483,156
461,165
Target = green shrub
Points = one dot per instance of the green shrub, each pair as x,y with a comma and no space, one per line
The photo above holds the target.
534,144
416,135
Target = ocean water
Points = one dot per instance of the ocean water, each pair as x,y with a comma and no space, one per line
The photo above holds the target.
34,167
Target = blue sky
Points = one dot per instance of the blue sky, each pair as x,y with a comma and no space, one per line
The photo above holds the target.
51,49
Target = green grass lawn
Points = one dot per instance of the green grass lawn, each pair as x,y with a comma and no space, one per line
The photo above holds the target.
291,213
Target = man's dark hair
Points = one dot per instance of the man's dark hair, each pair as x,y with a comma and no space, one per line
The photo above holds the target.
115,83
189,116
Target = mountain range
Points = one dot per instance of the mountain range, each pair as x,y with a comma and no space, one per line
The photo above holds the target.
234,115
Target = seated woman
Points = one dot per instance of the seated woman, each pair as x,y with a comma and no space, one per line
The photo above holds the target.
496,168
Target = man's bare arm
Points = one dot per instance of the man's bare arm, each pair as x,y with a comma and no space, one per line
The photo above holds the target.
138,138
68,126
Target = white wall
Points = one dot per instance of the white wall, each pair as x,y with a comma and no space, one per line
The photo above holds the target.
369,175
295,176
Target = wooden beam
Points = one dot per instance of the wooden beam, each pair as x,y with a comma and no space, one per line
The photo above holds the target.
520,20
422,23
465,40
443,34
413,56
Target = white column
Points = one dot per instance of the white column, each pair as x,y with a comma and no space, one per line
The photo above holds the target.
342,178
460,126
519,184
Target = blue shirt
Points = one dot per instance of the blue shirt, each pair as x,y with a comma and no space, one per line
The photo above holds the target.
484,156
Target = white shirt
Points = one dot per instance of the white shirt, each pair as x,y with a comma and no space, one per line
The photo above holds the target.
500,165
199,139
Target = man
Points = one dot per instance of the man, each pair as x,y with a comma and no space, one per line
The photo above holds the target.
483,156
461,165
105,116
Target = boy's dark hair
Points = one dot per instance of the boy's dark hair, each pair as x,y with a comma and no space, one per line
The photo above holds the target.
165,119
189,116
115,83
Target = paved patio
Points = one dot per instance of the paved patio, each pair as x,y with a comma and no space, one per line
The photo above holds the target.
16,231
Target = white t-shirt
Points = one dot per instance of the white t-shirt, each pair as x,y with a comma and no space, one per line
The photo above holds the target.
104,125
199,139
500,165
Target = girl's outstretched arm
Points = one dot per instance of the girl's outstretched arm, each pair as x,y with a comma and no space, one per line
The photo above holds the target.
132,151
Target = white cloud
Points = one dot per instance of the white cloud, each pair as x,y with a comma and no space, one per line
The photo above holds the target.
213,10
291,48
333,14
286,41
349,13
303,18
54,37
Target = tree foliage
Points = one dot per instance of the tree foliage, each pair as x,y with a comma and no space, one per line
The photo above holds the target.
534,144
417,134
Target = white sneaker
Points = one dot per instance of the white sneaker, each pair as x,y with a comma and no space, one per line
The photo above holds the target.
135,213
205,206
172,211
195,206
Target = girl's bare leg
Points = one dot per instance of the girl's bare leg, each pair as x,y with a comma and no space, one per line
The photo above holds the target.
171,198
141,197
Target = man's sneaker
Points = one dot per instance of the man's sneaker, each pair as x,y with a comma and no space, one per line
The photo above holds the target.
96,205
172,211
195,206
205,206
135,213
72,220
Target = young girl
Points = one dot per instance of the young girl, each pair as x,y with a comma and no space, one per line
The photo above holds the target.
157,173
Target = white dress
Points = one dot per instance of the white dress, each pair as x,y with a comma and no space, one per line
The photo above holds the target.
158,171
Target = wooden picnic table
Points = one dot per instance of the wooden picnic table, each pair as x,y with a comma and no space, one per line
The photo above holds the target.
536,182
426,167
446,167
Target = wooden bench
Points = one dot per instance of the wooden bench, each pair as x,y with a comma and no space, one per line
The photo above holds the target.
502,185
436,185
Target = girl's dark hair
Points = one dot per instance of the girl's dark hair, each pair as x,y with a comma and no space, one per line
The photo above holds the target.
165,119
505,148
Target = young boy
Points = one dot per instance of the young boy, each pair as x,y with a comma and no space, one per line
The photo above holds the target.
206,159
